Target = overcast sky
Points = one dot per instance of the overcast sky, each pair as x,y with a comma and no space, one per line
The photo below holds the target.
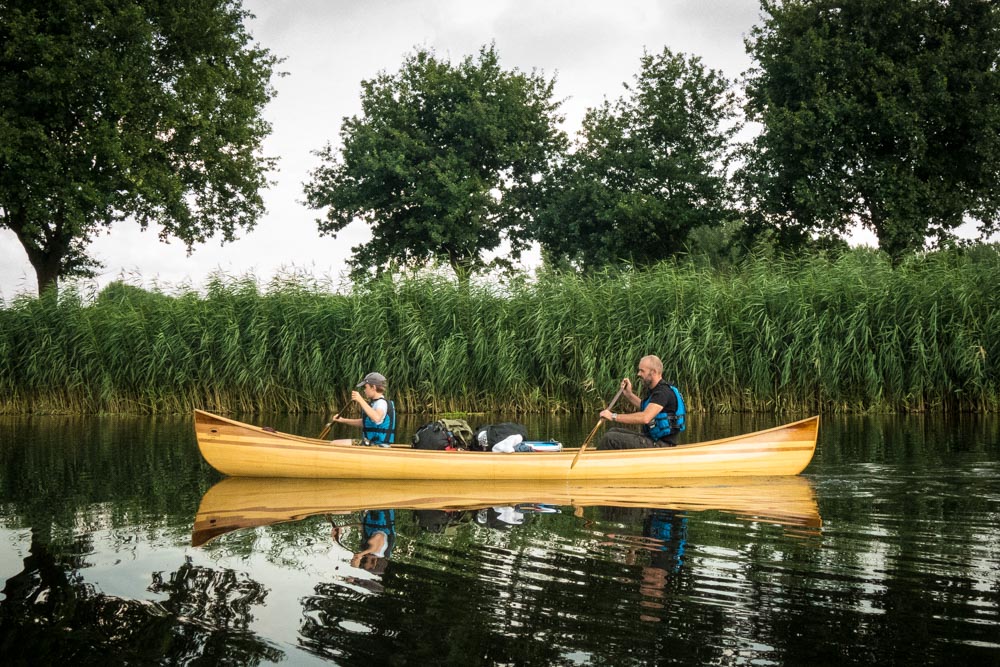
591,48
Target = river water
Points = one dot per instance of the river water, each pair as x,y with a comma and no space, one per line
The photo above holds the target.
886,550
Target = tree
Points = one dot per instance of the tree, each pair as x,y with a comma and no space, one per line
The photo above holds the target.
444,163
119,108
647,170
883,113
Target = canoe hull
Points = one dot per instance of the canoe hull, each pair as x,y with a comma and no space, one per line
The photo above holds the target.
242,450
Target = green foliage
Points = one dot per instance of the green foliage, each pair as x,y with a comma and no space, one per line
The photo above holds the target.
850,333
124,108
646,172
879,112
443,164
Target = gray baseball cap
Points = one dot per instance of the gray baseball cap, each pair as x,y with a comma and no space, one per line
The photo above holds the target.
374,379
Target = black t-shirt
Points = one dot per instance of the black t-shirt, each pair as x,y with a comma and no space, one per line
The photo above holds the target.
663,395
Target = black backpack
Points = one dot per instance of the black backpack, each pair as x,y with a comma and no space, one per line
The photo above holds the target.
439,521
446,434
494,433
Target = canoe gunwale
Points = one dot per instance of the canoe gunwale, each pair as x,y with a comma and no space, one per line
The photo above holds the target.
400,446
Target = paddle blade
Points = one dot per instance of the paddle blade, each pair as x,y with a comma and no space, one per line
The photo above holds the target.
585,443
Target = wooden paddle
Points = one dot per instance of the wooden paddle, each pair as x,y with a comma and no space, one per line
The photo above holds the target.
326,430
322,434
596,426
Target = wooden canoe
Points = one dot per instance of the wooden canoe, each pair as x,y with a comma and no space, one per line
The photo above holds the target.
241,502
241,450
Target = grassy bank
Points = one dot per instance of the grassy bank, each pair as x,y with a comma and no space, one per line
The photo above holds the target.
851,334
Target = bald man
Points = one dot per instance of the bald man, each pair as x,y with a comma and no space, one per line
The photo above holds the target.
660,414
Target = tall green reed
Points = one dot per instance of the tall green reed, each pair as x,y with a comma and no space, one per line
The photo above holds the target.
847,334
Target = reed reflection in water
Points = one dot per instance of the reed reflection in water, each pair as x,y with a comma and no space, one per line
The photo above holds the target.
893,558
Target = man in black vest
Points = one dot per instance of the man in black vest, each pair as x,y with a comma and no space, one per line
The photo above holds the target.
653,415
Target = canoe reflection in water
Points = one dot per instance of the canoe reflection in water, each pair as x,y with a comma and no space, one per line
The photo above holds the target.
242,502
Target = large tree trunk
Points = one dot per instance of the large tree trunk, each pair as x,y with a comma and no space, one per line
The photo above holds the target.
48,266
47,273
47,262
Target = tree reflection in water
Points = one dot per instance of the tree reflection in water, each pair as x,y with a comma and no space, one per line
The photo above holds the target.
49,616
483,596
449,611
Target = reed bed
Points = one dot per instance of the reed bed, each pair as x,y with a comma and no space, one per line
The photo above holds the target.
850,334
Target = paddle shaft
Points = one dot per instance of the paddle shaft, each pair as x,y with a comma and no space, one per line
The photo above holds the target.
327,429
596,426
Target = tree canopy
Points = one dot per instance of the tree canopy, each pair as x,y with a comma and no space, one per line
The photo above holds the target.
110,109
444,163
647,170
883,113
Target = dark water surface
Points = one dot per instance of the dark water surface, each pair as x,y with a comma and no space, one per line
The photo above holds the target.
886,551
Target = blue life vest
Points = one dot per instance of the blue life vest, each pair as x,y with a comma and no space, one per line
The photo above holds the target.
670,529
384,431
379,521
666,423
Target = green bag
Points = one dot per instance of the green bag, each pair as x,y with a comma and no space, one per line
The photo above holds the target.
461,430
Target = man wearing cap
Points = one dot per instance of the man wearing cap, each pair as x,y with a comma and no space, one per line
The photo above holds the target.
378,414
